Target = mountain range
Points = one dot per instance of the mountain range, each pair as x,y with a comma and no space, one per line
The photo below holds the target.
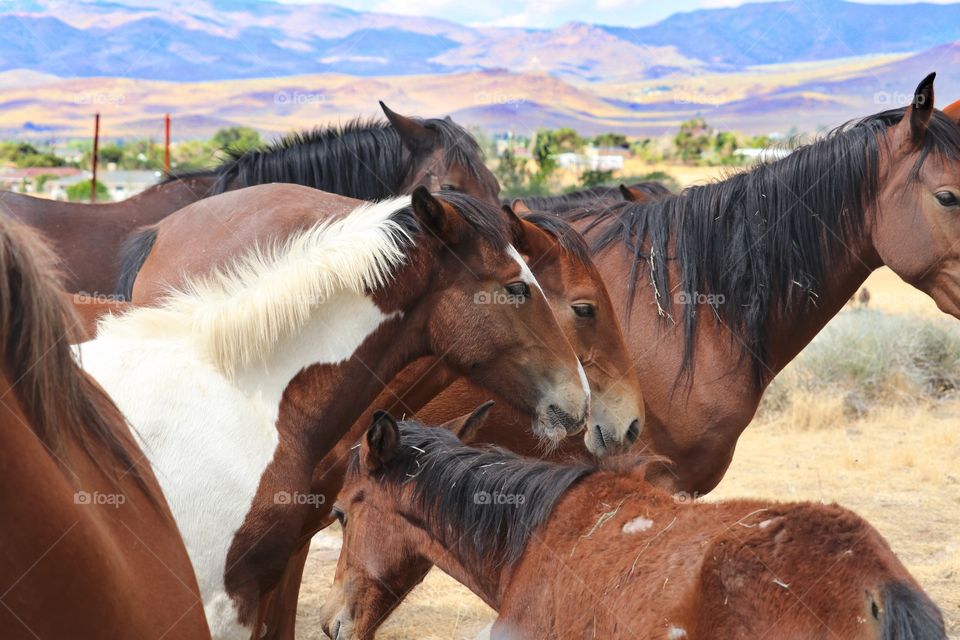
818,60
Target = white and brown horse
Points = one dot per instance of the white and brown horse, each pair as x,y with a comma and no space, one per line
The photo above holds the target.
240,383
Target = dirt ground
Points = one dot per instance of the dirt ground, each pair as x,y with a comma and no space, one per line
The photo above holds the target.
899,468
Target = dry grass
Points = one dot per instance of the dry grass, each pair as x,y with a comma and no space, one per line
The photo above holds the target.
895,464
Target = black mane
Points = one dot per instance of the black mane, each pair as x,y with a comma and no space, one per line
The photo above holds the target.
363,159
764,240
590,196
450,484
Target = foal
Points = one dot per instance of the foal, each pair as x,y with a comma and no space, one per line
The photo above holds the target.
576,552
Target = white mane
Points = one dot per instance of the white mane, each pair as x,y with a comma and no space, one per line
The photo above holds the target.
238,313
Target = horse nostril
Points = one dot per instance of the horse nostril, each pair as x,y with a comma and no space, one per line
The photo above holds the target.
633,432
561,419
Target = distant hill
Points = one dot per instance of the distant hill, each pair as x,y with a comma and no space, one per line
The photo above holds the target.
800,30
218,40
759,67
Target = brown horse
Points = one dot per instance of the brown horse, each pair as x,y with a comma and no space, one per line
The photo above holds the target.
566,551
240,383
579,300
645,191
366,160
90,549
719,287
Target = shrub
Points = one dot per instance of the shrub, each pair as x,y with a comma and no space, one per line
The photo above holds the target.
868,358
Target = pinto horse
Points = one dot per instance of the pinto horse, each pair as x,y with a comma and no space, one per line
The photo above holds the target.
86,522
240,383
721,286
365,160
562,551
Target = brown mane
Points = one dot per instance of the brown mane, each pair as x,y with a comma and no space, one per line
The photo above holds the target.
36,323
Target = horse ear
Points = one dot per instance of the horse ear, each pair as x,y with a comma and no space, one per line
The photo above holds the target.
953,111
466,426
627,193
435,216
921,109
528,238
382,441
517,231
519,206
415,137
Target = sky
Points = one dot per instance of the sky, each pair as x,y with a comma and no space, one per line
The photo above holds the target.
541,13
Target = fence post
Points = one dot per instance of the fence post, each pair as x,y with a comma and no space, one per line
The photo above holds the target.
96,151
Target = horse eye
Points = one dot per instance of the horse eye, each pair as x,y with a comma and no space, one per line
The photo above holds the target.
584,310
947,198
447,187
519,289
341,516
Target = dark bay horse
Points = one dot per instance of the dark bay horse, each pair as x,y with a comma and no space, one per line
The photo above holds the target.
90,549
638,192
241,381
572,551
719,287
369,160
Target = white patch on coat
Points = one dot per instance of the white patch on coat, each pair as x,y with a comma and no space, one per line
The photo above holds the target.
525,274
637,525
676,633
201,383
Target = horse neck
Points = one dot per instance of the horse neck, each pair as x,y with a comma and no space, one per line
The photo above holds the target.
789,334
487,577
330,371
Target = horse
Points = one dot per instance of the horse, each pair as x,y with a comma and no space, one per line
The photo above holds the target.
86,520
369,160
574,551
722,285
241,381
644,191
580,303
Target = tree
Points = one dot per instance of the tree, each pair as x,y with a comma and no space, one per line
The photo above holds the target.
24,154
110,153
610,139
236,139
692,139
511,172
80,192
595,178
544,148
